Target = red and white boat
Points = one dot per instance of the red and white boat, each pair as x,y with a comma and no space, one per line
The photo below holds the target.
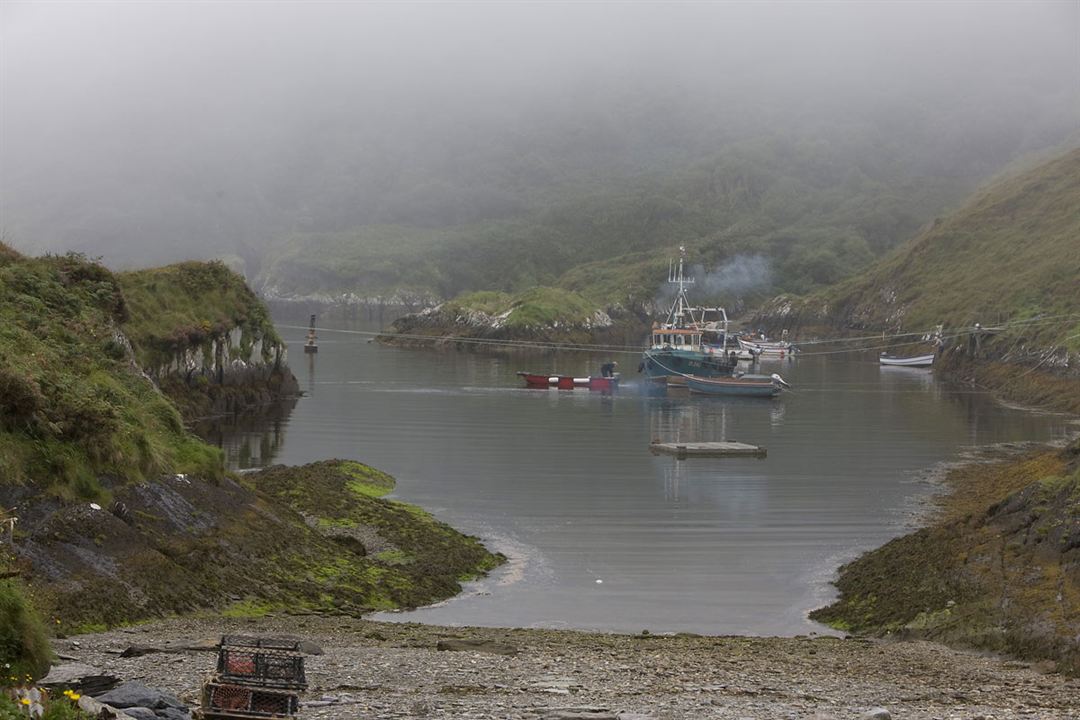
569,382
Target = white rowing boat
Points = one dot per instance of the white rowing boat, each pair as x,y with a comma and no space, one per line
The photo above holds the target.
914,361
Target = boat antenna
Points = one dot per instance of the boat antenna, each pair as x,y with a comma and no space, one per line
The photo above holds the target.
677,276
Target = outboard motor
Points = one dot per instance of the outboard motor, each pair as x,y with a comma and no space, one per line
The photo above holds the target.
776,378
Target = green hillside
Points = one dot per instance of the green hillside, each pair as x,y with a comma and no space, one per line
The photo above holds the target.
73,404
1010,255
1008,261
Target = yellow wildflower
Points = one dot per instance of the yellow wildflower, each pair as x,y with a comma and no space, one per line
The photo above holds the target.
24,701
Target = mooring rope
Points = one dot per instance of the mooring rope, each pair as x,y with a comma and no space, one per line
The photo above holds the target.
886,340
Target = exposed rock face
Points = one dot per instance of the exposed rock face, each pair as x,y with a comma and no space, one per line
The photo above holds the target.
205,338
226,373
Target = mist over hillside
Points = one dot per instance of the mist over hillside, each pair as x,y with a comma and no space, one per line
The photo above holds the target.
528,138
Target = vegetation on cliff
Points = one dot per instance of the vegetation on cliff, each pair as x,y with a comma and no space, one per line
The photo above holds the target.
999,570
74,405
182,306
541,314
24,645
205,337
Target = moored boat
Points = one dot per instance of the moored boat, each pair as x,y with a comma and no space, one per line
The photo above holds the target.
768,348
569,382
741,385
689,341
918,361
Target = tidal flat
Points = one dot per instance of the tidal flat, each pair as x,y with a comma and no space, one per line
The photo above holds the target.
391,670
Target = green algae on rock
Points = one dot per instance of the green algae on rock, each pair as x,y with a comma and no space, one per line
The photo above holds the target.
298,539
999,571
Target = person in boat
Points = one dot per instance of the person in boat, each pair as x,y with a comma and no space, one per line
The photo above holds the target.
608,369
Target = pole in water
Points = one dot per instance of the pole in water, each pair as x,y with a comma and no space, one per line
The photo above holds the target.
310,345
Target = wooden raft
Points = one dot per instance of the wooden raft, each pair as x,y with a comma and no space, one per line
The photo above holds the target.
707,449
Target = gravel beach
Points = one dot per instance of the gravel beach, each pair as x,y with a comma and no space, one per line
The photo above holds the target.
389,670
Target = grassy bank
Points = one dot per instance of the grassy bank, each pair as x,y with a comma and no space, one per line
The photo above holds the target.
24,645
999,570
74,406
541,314
206,338
187,305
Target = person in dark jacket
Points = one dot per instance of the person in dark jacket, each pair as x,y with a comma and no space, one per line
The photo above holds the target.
608,369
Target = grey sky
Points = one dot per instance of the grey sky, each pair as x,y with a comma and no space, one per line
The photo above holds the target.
158,99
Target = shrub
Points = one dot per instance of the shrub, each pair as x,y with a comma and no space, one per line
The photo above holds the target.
24,647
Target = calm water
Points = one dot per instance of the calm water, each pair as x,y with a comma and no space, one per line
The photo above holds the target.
602,534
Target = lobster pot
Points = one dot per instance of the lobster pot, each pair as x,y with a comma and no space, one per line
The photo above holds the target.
221,700
261,661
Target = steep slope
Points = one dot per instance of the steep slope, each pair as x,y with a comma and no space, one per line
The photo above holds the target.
1008,261
1011,254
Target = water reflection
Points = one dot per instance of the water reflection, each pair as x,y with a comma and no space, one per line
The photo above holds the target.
251,440
682,418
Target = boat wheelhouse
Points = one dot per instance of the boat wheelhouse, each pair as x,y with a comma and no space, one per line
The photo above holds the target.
691,340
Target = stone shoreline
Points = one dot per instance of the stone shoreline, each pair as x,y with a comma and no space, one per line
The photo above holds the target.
390,670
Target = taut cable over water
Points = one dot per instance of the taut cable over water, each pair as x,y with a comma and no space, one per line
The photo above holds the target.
636,350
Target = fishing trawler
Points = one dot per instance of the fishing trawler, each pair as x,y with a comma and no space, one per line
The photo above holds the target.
691,340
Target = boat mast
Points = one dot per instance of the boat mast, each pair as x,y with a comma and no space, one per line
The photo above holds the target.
681,308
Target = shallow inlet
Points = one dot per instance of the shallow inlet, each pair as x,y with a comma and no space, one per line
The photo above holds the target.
601,533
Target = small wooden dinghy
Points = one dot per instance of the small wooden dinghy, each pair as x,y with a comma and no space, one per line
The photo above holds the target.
913,361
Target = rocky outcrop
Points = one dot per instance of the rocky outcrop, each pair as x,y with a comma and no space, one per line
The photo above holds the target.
409,301
205,338
181,543
1000,571
452,324
226,373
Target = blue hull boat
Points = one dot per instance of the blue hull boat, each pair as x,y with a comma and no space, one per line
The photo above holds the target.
688,342
678,363
742,386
